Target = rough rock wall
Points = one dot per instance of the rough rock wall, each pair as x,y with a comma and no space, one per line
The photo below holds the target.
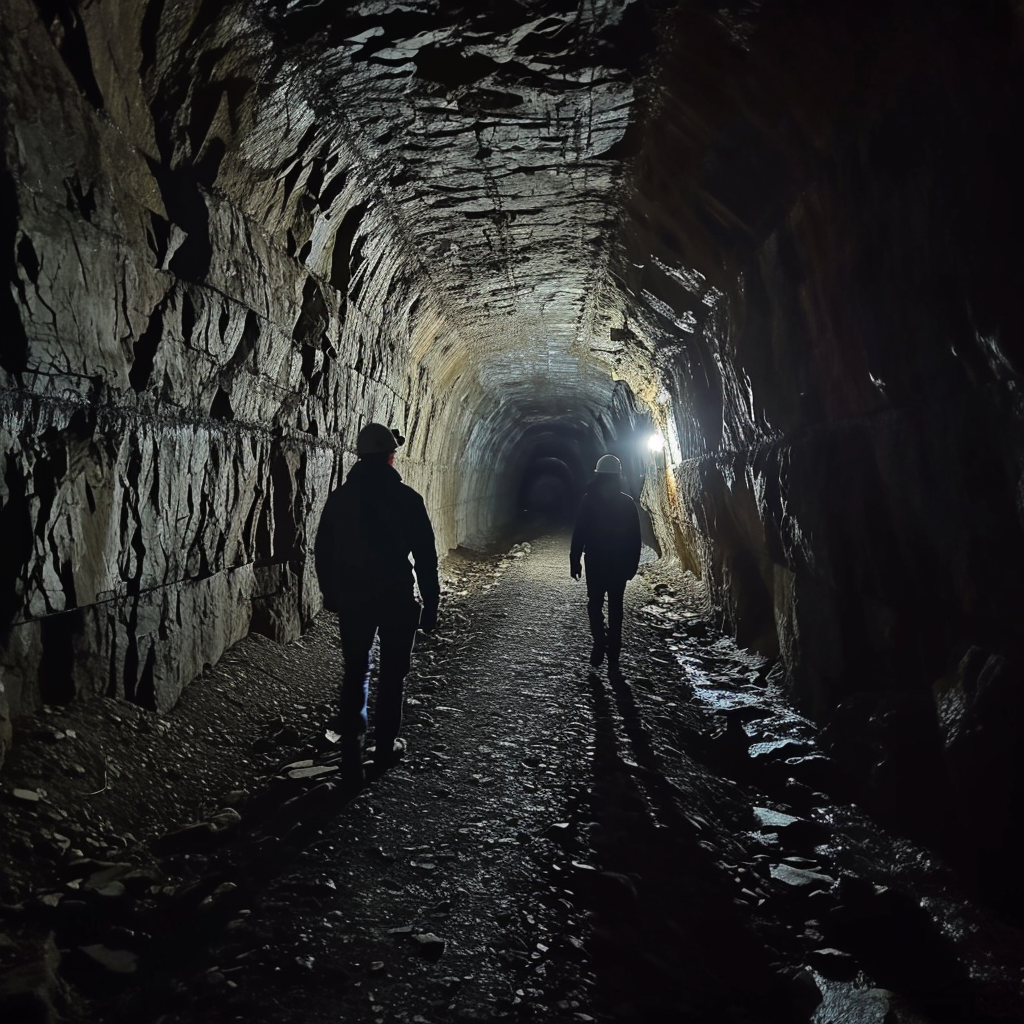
838,325
201,305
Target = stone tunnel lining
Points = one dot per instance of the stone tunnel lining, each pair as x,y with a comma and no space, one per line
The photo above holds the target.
280,286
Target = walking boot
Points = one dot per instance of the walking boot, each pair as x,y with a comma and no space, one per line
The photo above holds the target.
353,775
388,753
597,653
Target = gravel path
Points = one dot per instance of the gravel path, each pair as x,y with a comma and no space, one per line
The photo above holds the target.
530,832
557,845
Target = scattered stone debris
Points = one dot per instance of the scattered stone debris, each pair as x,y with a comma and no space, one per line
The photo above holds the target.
568,846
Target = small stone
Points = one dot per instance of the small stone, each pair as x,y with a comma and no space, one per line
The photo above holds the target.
772,821
111,891
225,819
312,771
140,880
30,796
800,878
114,961
430,945
377,967
219,895
101,873
778,749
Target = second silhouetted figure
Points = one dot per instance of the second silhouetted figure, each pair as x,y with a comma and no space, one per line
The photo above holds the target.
607,538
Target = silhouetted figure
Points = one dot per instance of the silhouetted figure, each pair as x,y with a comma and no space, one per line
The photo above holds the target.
607,536
370,526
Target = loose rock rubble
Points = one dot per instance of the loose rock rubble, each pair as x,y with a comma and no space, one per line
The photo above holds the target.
558,845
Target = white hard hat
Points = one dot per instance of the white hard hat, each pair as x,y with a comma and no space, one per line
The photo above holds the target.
376,439
608,464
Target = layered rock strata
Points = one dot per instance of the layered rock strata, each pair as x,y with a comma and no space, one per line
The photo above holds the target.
232,235
833,308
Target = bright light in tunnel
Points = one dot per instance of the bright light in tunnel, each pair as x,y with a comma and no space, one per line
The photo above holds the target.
655,442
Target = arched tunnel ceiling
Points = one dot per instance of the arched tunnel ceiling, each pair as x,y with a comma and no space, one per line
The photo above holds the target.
488,136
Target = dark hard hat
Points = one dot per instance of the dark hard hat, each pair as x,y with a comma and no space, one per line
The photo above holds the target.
376,439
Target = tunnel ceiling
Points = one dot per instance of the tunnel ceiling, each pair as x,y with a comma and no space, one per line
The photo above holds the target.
490,136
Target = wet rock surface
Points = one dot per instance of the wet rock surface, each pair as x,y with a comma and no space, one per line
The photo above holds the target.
219,263
556,845
785,235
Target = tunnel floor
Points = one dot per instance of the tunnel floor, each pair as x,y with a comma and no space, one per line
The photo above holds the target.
557,845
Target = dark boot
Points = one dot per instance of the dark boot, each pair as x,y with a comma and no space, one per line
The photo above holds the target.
353,775
388,752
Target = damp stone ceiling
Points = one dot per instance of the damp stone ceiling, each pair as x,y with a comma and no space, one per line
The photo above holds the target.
485,138
784,234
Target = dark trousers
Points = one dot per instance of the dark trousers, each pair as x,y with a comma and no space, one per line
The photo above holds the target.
395,624
598,587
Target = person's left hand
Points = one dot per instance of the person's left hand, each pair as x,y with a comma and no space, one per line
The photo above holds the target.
428,620
575,570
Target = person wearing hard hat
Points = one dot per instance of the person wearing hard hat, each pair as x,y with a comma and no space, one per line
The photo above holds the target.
607,539
369,528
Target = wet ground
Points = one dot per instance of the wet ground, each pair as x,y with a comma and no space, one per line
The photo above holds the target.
559,844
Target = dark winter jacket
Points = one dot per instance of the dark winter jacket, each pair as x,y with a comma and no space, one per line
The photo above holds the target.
369,527
607,531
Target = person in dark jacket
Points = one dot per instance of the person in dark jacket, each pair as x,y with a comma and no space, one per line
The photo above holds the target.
369,527
607,538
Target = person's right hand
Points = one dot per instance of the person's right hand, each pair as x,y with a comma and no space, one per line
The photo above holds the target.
576,570
428,620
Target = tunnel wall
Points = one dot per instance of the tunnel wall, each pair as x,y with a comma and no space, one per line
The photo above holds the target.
836,320
201,307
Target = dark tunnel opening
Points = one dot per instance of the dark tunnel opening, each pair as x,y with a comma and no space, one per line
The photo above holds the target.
548,494
552,461
546,473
